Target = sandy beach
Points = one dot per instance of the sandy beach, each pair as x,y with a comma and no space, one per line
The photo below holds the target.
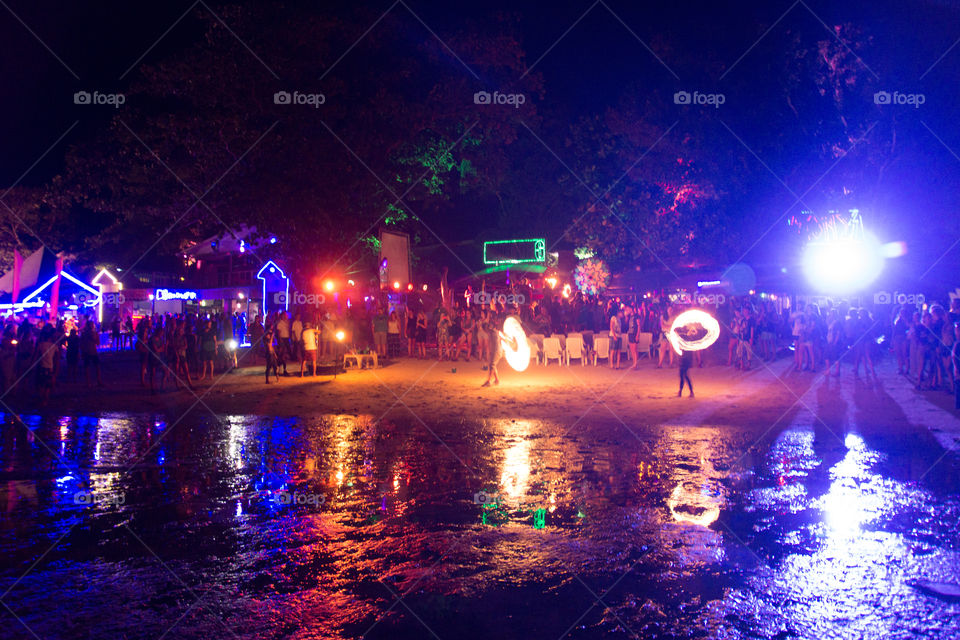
765,397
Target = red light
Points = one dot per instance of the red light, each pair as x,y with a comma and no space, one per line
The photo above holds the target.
396,285
328,285
424,287
410,287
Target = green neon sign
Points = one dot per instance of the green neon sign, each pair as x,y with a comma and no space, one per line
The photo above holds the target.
515,251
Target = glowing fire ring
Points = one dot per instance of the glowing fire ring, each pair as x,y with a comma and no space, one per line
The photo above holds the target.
516,349
694,316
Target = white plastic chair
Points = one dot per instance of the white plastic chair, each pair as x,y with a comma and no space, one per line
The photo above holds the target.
587,342
601,345
534,350
563,340
551,351
574,349
643,346
538,339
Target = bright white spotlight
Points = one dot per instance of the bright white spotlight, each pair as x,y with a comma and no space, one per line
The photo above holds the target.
693,330
843,265
516,349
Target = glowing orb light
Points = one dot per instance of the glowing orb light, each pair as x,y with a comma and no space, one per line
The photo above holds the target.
516,349
843,265
680,333
340,335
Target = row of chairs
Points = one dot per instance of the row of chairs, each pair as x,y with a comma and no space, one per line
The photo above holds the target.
585,347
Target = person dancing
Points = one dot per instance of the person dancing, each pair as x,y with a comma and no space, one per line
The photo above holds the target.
686,361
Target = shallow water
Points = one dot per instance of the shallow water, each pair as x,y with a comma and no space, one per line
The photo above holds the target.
342,526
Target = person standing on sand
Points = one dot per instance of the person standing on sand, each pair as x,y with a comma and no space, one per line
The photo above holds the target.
256,338
309,337
686,361
614,341
422,333
496,353
271,353
411,327
282,328
89,342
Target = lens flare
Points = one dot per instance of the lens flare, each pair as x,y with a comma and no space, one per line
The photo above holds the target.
843,265
516,349
686,324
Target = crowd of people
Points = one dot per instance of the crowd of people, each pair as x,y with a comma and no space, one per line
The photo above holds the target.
180,349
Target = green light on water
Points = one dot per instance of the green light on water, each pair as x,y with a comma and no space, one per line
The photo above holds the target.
539,518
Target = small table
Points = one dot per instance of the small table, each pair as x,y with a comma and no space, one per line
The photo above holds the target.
359,359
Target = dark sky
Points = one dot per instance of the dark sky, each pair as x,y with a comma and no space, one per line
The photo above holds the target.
100,40
97,42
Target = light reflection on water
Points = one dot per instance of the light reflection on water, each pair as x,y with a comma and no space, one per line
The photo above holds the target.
693,539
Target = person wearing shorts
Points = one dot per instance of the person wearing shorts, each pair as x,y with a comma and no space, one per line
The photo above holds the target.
208,349
615,341
309,353
633,336
381,324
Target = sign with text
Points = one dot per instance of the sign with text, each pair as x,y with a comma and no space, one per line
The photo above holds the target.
175,294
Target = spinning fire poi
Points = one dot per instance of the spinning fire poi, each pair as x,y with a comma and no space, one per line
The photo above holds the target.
511,343
692,330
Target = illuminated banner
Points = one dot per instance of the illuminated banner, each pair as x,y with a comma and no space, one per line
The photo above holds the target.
171,294
515,251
